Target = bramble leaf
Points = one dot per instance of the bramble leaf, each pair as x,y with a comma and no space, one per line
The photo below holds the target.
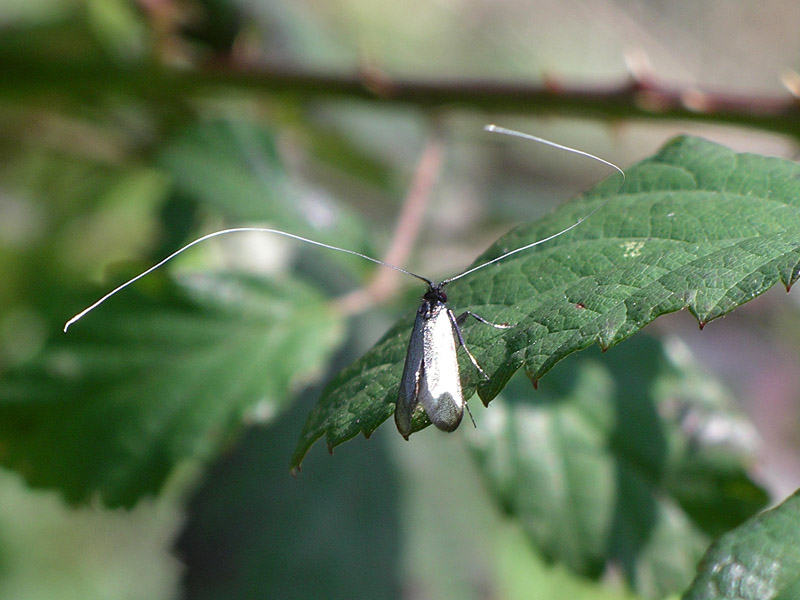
631,460
759,560
696,226
113,407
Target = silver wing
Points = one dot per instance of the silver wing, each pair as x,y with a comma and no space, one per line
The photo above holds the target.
408,399
439,389
430,375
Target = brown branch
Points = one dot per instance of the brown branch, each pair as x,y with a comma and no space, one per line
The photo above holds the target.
632,99
628,100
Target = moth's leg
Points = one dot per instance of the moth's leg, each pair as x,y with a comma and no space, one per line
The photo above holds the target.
460,319
471,418
460,337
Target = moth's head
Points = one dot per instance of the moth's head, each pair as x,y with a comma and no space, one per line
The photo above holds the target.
435,293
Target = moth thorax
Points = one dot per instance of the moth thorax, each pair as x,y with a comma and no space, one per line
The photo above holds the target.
433,299
435,294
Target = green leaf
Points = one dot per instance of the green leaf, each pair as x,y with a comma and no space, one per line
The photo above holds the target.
696,226
233,168
230,166
760,560
633,459
143,383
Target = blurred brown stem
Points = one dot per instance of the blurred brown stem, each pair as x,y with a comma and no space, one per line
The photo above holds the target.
24,78
385,283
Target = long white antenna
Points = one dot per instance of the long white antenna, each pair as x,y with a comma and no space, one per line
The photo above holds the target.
503,130
225,232
491,128
496,129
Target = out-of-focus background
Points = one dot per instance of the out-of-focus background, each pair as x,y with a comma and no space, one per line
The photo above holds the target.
96,166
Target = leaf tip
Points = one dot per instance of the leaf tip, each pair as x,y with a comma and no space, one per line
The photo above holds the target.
294,464
701,324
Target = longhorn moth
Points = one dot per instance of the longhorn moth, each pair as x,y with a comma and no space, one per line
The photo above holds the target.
431,379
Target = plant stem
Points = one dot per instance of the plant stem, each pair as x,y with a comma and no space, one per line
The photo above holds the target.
89,76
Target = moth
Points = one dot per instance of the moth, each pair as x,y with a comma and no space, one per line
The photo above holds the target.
431,379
